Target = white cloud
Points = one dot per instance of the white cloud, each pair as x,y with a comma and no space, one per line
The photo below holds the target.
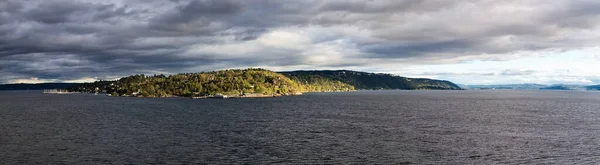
32,80
570,67
284,40
82,80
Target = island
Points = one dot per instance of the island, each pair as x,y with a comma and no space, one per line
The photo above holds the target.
256,82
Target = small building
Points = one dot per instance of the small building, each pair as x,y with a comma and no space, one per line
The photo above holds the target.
219,96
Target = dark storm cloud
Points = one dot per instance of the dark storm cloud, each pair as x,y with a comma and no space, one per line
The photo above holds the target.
68,40
418,49
197,16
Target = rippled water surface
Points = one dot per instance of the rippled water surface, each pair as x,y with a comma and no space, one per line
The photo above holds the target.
384,127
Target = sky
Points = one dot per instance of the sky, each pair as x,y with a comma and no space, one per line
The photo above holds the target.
464,41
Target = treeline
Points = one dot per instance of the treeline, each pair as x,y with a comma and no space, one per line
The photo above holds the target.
363,80
322,84
226,82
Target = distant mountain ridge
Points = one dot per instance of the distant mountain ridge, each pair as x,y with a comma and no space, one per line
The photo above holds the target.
365,80
508,86
593,88
41,86
535,87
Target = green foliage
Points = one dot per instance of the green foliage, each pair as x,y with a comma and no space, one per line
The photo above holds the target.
228,82
362,80
317,83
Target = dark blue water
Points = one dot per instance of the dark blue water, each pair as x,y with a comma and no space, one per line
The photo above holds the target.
373,127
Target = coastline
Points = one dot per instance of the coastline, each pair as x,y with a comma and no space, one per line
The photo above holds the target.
57,91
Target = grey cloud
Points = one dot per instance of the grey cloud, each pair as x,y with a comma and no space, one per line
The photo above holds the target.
54,12
418,49
60,39
197,15
51,13
379,6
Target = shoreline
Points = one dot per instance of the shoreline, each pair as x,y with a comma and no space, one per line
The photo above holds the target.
244,96
218,96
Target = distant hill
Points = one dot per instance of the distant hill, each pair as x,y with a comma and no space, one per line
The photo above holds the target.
36,86
556,87
509,86
535,87
364,80
593,88
565,87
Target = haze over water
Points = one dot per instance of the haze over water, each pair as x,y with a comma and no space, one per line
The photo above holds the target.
367,127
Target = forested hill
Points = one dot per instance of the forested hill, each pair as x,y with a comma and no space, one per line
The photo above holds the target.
226,82
363,80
